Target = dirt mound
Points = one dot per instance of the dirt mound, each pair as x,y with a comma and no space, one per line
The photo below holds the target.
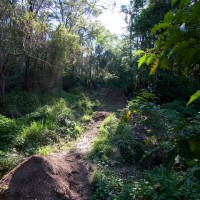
48,178
112,99
59,176
100,116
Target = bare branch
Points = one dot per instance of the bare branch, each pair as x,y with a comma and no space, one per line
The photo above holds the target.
36,12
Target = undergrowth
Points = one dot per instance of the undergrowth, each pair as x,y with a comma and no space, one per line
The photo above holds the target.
159,141
116,143
41,125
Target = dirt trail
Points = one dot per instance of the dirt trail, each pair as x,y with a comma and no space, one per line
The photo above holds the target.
59,176
84,143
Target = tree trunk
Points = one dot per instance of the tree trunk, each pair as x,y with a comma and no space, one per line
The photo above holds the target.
2,75
2,84
26,83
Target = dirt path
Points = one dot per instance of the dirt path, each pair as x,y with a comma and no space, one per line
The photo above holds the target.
84,143
58,176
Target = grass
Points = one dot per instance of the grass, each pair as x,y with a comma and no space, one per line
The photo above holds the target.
44,151
116,143
41,125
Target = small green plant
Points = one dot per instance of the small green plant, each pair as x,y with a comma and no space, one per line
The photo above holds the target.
107,185
85,118
44,151
37,134
8,160
8,131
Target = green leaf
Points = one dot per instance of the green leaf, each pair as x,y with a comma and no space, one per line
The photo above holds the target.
178,185
150,59
170,159
164,63
184,3
174,2
169,16
139,52
147,142
194,97
142,60
158,27
194,147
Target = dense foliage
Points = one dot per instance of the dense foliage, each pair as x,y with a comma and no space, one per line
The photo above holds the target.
149,152
45,126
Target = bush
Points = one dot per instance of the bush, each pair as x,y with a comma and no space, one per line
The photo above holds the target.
180,107
37,134
167,185
8,131
21,103
47,125
131,151
106,185
155,184
57,112
8,161
116,141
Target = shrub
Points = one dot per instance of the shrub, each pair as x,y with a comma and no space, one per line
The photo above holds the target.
9,160
21,103
116,140
37,134
58,112
180,107
8,131
167,185
131,151
155,184
106,185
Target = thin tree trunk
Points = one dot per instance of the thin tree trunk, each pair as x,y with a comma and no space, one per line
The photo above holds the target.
26,83
2,82
2,75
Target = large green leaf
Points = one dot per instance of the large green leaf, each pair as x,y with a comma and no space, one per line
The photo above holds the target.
150,59
159,26
137,53
174,2
168,17
142,60
194,97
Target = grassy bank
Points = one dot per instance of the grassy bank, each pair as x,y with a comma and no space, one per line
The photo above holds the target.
41,124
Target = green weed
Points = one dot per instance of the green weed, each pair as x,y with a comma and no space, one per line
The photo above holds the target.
86,118
116,142
44,151
8,131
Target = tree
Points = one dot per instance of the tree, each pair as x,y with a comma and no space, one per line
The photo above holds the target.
7,38
177,41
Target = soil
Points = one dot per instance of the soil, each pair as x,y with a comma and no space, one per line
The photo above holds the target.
48,178
63,175
112,99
